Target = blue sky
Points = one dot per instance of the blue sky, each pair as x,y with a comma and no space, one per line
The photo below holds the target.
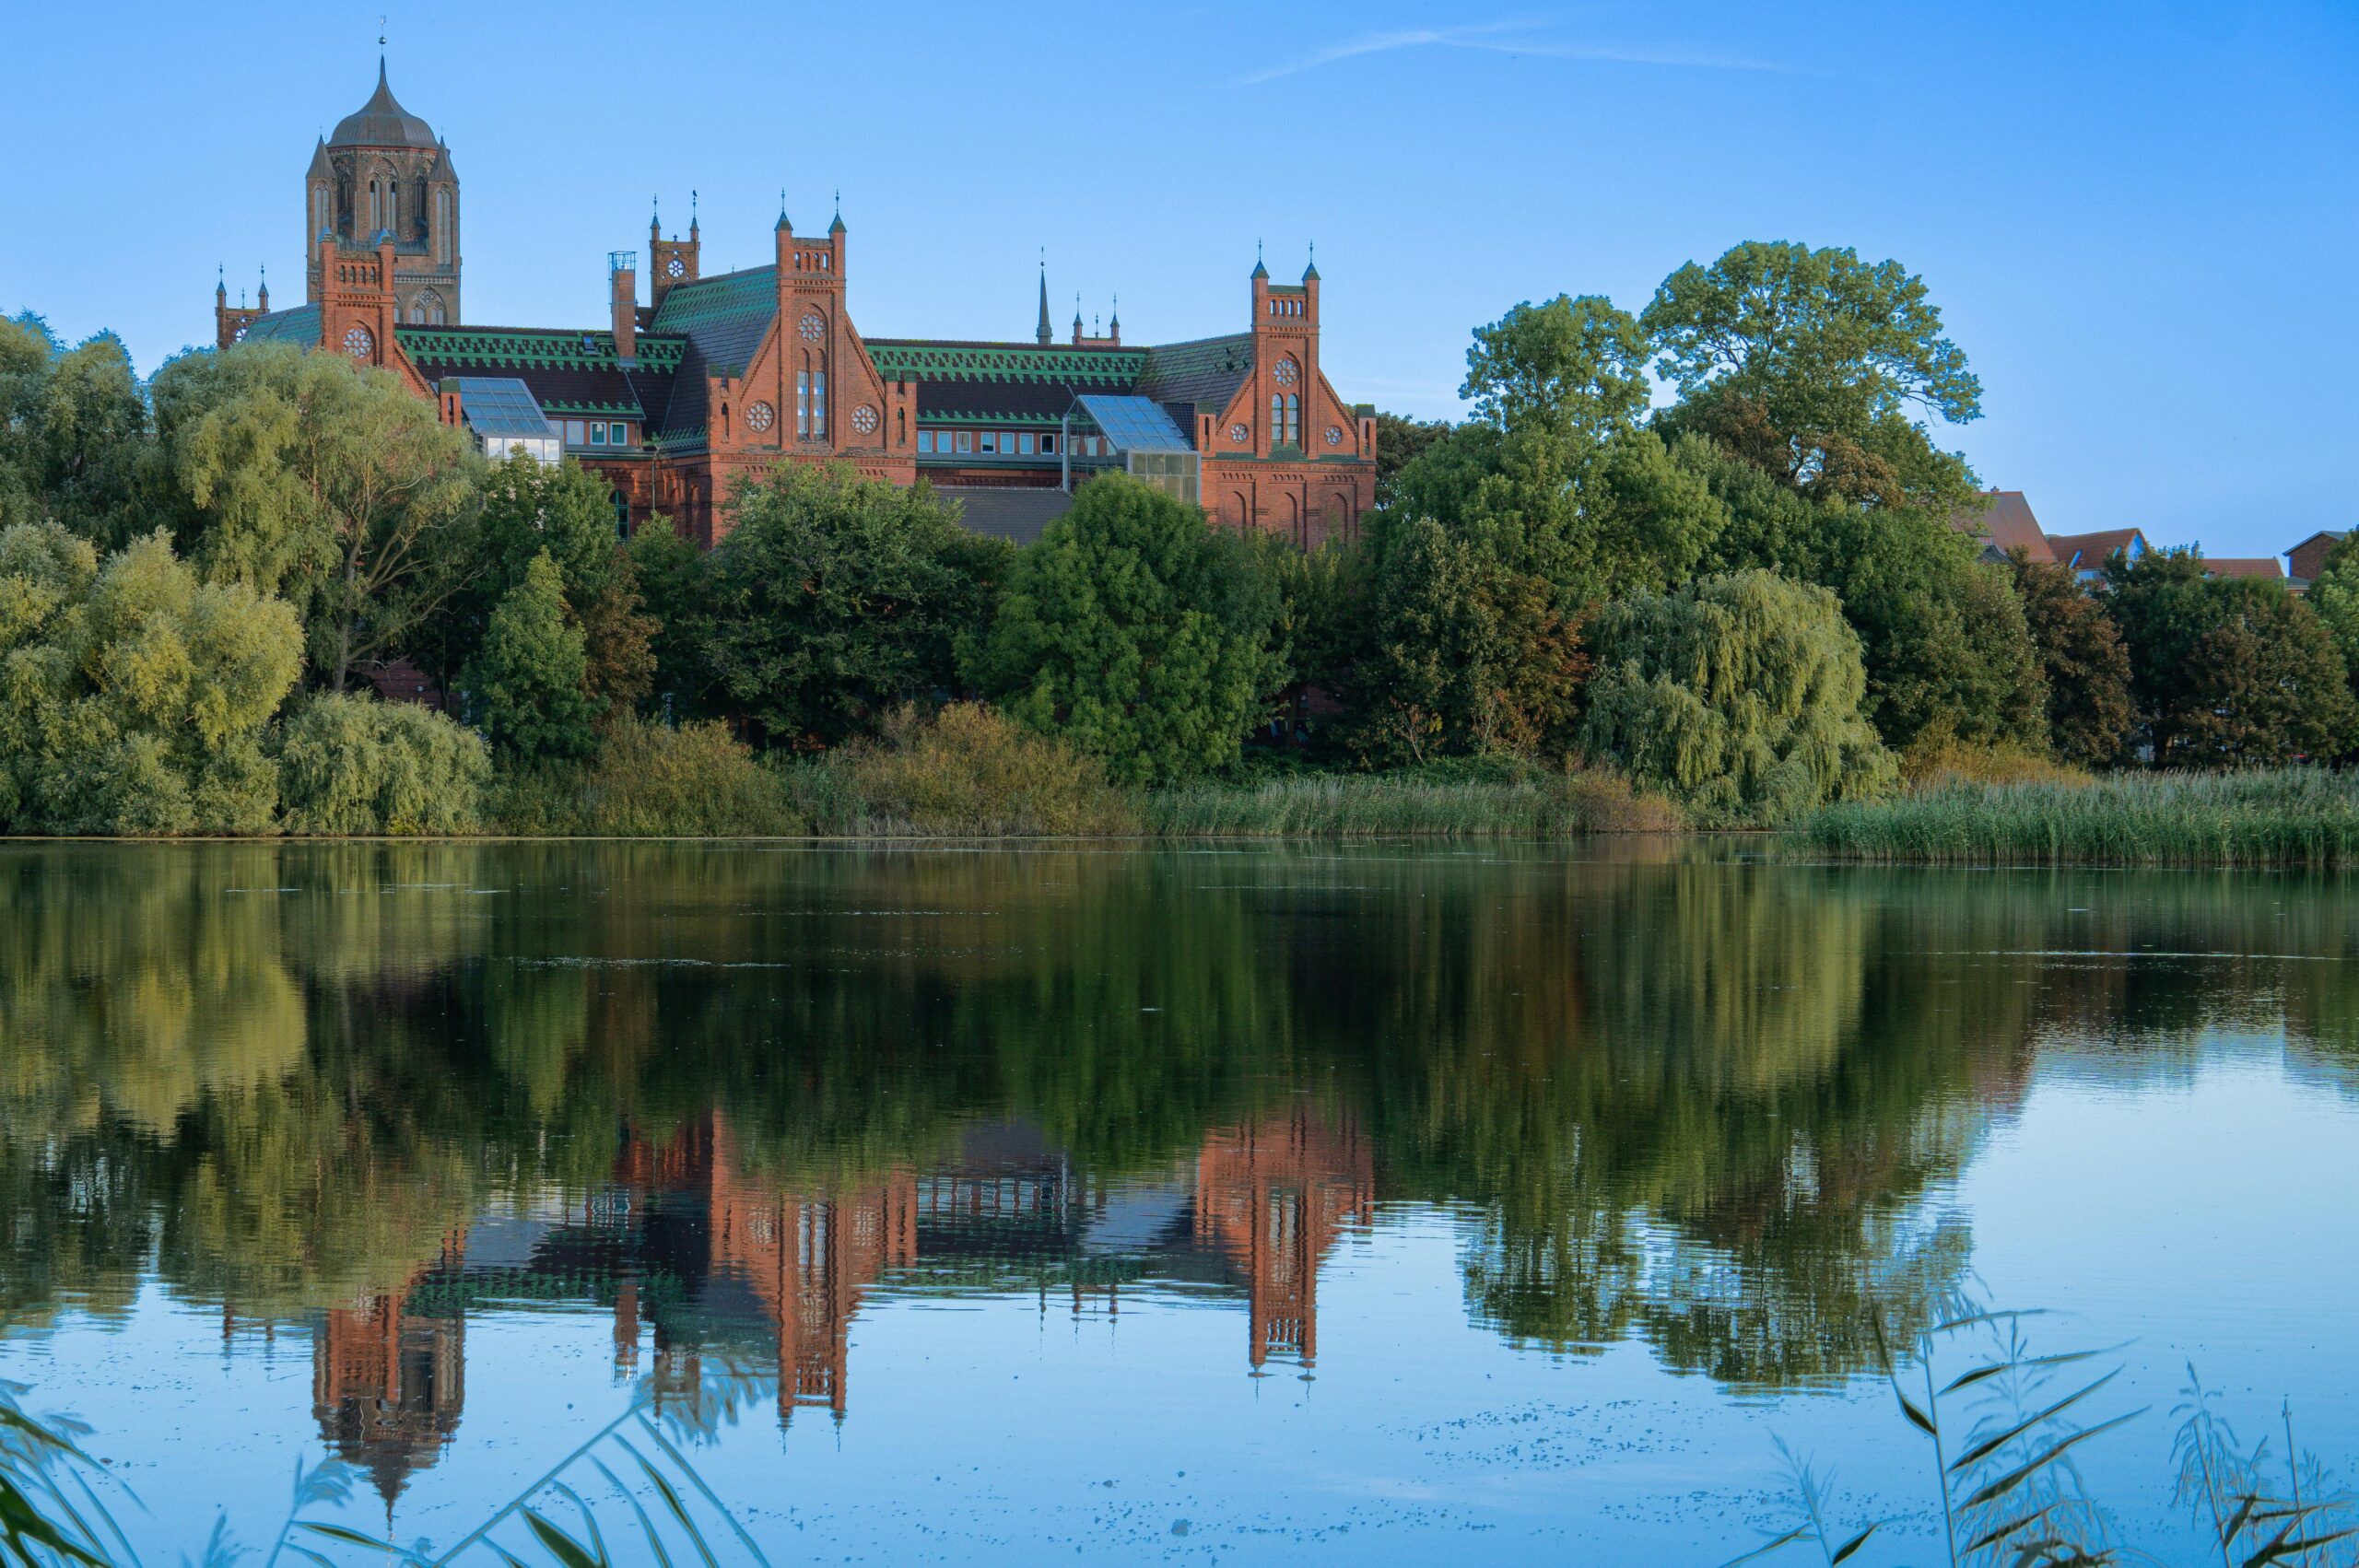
2139,221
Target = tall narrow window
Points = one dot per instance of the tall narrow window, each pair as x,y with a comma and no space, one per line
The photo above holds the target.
394,207
443,227
802,399
819,399
1277,420
1293,421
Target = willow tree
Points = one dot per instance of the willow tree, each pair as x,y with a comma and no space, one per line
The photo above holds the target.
132,695
1740,696
298,474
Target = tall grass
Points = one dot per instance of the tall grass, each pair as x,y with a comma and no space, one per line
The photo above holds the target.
1526,804
2293,817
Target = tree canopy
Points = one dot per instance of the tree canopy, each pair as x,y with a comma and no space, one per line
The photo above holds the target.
1136,631
1741,695
834,599
133,695
1813,365
526,682
2082,659
300,476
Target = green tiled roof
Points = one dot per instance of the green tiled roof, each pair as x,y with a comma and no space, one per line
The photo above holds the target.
724,316
904,360
1208,371
301,324
531,348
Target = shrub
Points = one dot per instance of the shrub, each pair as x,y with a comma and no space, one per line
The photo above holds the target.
352,765
1938,759
697,782
132,696
1739,697
967,771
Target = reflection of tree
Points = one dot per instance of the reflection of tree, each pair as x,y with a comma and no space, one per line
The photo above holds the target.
1711,1106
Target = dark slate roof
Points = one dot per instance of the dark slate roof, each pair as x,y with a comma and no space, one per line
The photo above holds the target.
382,123
2004,522
1016,514
982,403
1208,371
300,325
568,372
724,316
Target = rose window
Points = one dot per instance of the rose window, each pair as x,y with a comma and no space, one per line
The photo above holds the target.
760,417
864,419
812,328
1334,434
1240,434
1283,372
358,343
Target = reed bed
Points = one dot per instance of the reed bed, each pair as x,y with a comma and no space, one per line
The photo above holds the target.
2303,817
1538,806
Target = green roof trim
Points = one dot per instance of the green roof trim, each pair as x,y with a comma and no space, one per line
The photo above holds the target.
902,360
535,348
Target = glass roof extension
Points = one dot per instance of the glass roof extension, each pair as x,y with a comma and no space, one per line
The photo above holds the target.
1134,423
499,408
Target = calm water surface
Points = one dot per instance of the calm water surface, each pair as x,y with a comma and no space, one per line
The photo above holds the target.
1286,1204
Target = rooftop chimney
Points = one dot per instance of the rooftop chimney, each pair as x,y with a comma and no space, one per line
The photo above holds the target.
622,268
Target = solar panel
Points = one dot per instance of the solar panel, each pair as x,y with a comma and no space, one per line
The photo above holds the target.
500,408
1134,424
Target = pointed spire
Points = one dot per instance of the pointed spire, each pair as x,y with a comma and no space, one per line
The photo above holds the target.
1260,269
1046,333
221,285
262,297
838,225
1310,272
1076,314
784,226
692,213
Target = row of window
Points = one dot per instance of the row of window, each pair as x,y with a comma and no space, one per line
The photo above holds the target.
998,443
597,433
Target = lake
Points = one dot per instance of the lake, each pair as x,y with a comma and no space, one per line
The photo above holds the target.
1301,1203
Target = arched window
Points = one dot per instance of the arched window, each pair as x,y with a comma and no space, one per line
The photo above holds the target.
394,206
1286,419
803,397
819,398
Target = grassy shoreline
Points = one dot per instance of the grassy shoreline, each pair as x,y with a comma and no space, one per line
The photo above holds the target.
2302,818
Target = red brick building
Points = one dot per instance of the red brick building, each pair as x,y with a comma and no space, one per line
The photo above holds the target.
715,379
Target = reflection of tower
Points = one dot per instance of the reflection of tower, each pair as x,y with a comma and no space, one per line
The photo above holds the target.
808,1259
387,1389
1274,1196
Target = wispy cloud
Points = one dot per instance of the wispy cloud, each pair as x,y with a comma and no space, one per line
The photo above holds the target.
1504,38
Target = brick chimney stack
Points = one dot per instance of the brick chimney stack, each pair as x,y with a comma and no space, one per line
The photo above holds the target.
622,276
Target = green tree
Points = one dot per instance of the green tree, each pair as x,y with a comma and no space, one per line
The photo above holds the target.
353,765
528,506
525,684
1552,474
1809,364
134,695
300,476
1942,634
1740,696
2082,659
833,599
2334,597
1461,655
1136,631
72,428
2228,669
668,573
1401,440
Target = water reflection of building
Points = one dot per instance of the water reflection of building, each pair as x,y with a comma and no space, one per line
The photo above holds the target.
388,1384
1275,1196
684,1248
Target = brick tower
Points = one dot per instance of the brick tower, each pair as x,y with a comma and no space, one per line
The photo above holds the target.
383,176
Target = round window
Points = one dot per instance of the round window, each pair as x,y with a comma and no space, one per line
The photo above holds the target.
358,343
760,417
